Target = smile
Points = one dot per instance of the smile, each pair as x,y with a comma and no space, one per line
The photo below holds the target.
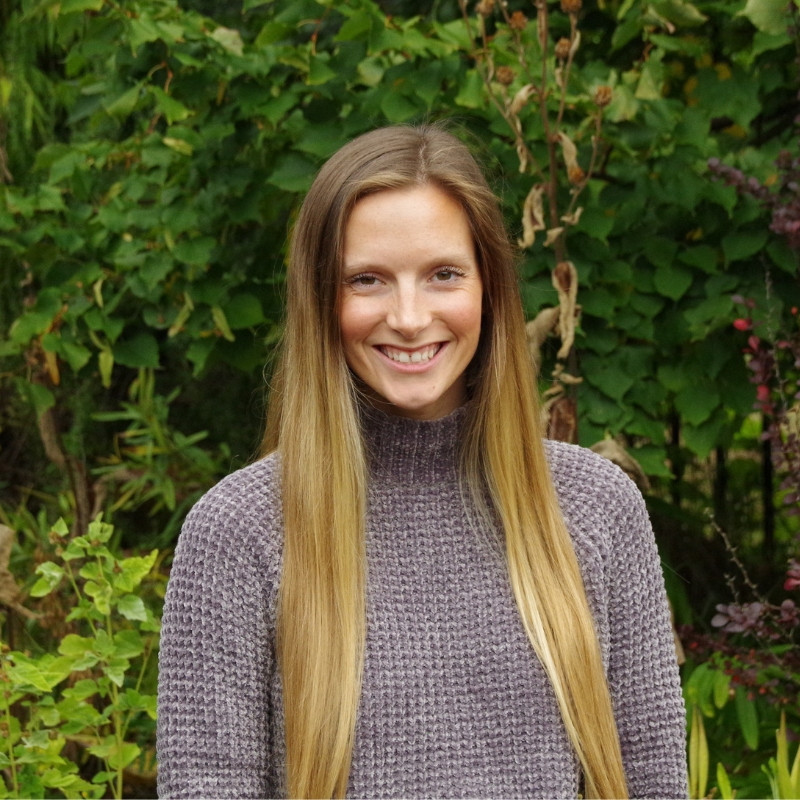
420,355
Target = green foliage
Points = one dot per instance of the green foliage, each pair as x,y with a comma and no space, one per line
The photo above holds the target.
89,692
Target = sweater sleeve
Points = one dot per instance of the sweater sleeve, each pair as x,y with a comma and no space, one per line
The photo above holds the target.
642,670
216,655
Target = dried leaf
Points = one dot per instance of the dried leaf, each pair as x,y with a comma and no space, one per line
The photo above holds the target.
576,43
552,235
563,420
574,217
565,282
522,97
569,151
614,452
537,331
532,215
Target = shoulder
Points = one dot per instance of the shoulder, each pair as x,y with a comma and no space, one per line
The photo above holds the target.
242,513
587,480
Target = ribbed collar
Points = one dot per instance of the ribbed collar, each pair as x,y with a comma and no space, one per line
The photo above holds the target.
412,451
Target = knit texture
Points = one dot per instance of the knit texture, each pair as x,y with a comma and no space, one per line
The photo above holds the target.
454,702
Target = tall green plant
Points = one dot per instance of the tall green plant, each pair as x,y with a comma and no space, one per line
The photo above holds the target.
89,693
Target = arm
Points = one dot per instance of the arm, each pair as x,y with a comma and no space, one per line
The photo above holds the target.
216,659
643,671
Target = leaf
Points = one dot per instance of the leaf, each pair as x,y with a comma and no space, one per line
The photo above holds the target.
105,363
178,145
195,251
698,755
132,607
319,72
748,718
470,93
397,108
171,108
128,644
696,402
229,38
243,311
293,173
722,683
723,783
140,351
51,577
741,245
672,281
132,570
222,323
767,15
123,106
41,398
76,6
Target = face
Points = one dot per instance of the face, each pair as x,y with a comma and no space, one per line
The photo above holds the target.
410,308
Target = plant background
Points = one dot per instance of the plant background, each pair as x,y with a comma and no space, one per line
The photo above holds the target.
152,156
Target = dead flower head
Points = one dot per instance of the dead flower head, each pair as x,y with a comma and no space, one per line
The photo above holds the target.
505,75
485,8
562,48
576,175
518,21
571,6
602,96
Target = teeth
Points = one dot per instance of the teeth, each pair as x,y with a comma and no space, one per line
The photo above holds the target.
404,357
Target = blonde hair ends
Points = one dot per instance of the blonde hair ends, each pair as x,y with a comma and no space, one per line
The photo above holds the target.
313,423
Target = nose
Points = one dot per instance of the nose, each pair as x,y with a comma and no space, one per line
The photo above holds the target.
408,314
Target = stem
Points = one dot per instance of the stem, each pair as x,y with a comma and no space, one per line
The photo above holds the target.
567,69
78,594
10,748
129,715
116,718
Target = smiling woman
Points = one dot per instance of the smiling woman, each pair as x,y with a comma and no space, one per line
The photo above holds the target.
412,594
410,308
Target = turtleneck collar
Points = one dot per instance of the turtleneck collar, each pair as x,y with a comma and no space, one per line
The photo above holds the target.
412,451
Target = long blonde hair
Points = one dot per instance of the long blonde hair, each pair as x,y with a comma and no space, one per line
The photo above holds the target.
313,423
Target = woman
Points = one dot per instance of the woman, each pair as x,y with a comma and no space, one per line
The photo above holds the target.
410,594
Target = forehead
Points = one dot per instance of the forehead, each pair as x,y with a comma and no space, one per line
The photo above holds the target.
414,222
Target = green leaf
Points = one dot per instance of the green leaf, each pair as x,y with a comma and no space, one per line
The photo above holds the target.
74,646
470,94
132,570
722,683
41,398
243,311
767,15
77,355
748,718
120,757
229,38
702,256
696,402
128,644
293,173
105,363
140,351
132,607
397,108
100,594
171,108
195,251
701,440
221,322
75,6
116,668
51,577
672,281
741,245
319,72
122,106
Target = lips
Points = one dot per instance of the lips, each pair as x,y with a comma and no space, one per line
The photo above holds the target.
420,355
420,359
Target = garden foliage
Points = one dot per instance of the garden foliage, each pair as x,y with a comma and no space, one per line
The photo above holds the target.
152,158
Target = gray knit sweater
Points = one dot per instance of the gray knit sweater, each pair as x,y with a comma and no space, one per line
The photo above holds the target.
454,702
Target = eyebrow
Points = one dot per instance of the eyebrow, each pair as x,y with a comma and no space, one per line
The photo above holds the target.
456,259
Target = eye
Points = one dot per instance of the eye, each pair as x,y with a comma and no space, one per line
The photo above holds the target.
365,279
446,274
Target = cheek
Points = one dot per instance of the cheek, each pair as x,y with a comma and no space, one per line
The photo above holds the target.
356,320
467,317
